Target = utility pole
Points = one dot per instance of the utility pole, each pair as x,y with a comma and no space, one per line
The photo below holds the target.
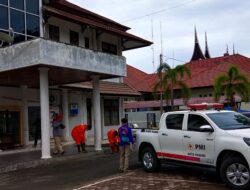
152,47
161,82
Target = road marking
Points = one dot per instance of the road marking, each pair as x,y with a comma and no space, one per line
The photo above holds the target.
102,181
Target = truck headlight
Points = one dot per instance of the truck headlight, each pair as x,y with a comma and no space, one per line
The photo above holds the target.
247,141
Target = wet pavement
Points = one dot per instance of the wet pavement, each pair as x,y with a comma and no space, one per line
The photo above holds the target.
31,157
162,180
96,171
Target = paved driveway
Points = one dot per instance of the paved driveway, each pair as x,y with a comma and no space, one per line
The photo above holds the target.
166,179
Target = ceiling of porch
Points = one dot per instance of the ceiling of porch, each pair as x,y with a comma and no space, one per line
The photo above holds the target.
57,76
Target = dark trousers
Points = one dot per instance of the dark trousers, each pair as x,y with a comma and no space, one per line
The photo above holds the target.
36,137
79,146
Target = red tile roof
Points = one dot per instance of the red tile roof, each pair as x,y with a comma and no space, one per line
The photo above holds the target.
110,88
203,72
135,78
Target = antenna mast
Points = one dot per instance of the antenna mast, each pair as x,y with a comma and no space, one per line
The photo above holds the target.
152,47
161,82
161,37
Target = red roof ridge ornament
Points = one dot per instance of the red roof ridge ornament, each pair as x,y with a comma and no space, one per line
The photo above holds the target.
206,106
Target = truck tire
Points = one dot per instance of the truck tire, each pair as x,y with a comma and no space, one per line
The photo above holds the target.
150,161
235,173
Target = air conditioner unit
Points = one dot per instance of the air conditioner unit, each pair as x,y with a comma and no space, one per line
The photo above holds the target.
55,99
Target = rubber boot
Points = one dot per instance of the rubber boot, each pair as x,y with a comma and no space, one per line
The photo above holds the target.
78,148
83,147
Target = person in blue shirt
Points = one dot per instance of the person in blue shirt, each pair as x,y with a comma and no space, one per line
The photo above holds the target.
126,138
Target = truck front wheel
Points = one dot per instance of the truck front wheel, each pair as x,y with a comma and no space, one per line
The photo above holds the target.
150,161
235,173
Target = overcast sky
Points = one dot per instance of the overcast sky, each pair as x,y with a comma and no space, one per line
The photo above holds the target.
226,22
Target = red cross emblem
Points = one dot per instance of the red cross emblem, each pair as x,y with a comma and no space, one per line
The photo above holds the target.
190,146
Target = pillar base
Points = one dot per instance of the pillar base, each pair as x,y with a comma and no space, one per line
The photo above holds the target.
46,157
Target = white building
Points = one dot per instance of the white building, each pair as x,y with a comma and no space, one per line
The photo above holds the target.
58,43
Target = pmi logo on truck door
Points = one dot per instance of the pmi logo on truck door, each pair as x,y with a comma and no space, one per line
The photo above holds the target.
196,146
200,147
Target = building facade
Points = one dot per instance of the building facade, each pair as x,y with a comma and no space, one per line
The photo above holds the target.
58,43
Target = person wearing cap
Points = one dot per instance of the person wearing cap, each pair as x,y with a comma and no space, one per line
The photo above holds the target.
57,132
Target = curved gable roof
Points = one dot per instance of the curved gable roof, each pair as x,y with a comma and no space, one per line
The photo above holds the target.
203,72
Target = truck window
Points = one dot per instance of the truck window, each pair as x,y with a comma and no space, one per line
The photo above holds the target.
174,121
195,122
230,120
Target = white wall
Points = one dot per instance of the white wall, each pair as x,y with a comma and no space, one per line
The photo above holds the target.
140,118
202,91
75,97
66,26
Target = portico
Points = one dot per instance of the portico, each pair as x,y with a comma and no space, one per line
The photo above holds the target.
42,63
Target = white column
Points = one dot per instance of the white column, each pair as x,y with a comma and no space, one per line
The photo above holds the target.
97,113
41,18
84,117
122,115
44,101
102,117
84,109
25,114
66,113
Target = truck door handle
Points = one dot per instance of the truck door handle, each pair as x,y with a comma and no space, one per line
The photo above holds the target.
164,134
209,139
186,136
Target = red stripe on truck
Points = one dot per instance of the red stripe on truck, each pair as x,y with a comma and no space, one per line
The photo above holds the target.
177,156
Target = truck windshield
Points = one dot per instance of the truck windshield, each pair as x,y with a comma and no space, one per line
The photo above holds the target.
230,120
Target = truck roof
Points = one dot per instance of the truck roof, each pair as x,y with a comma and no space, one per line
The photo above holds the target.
198,111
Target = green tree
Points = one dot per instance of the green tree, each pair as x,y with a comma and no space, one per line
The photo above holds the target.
231,83
175,76
160,86
170,78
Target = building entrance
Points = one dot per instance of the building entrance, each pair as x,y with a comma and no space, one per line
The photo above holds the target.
10,128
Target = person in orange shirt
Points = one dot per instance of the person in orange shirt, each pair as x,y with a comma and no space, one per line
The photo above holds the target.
114,140
78,134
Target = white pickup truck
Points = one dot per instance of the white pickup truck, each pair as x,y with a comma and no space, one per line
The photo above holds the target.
219,139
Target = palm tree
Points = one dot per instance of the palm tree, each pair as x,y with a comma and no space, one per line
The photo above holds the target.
161,85
231,83
170,77
175,76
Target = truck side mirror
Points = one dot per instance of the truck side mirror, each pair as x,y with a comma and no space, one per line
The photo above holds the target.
206,128
135,126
